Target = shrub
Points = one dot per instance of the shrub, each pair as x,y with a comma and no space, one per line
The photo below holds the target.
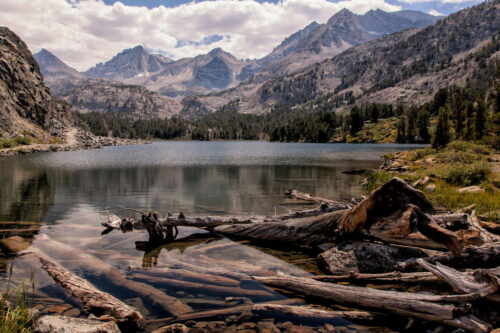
465,146
421,153
467,174
22,140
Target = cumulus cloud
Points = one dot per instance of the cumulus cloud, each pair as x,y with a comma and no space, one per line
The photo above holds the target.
83,33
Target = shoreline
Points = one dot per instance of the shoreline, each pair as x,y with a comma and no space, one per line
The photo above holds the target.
75,139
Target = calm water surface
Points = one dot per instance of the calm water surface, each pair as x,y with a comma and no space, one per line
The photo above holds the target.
66,195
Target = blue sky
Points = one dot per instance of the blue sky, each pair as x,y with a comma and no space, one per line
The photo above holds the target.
83,33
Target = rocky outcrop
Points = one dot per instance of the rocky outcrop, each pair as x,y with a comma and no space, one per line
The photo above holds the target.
64,324
27,106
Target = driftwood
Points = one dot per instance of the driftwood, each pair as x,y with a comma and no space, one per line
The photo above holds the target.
392,277
114,277
394,215
205,287
305,312
450,310
93,300
471,257
215,314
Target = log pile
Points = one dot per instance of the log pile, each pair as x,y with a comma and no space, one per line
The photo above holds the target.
395,227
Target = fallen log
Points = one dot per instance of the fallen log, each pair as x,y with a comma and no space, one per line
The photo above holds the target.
481,282
486,256
394,213
428,307
215,314
93,300
305,312
187,275
204,287
112,276
383,278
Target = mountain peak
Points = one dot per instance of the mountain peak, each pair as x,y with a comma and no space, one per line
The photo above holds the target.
344,15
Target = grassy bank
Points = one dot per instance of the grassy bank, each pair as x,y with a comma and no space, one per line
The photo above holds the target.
15,315
459,165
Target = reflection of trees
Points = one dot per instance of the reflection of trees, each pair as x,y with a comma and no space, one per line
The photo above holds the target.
26,193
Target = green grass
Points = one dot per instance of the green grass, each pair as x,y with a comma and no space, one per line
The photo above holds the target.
463,174
15,141
15,315
458,165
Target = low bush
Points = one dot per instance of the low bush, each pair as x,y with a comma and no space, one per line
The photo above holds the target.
461,174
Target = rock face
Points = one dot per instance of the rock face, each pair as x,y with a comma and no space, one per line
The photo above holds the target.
26,103
129,101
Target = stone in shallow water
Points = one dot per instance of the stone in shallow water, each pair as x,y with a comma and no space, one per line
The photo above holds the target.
175,328
364,257
63,324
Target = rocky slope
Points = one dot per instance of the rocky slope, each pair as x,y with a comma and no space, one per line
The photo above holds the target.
316,43
130,101
409,66
27,106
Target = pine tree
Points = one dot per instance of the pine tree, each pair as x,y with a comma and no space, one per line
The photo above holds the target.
442,135
480,119
356,121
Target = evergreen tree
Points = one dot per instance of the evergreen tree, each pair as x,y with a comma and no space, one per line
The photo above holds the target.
401,132
356,122
442,135
480,119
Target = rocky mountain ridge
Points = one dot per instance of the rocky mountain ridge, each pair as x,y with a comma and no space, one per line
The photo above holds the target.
27,105
404,67
219,70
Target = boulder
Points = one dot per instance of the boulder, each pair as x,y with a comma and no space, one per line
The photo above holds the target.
364,257
64,324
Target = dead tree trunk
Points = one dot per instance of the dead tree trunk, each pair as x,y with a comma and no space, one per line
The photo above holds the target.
428,307
93,300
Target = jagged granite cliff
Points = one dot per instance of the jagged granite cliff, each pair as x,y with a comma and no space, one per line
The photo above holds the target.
26,105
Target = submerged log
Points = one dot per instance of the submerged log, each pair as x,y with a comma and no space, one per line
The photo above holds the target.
305,312
427,307
215,314
114,277
205,287
93,300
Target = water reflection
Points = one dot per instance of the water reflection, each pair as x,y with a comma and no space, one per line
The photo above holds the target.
66,195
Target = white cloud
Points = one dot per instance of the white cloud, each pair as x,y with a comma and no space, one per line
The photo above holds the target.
440,1
435,13
83,33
